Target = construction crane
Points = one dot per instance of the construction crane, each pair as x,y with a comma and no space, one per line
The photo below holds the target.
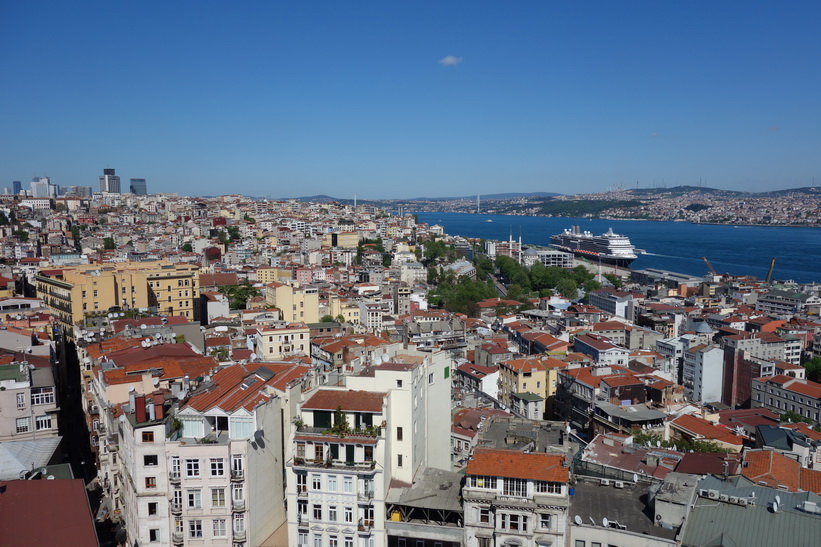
709,266
770,272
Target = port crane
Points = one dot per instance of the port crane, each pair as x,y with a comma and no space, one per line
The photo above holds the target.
770,271
709,266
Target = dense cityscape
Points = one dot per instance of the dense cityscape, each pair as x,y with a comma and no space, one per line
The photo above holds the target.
181,370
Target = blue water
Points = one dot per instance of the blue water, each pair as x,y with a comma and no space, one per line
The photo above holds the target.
674,246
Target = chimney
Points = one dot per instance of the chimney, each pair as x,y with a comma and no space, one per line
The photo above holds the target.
158,408
139,410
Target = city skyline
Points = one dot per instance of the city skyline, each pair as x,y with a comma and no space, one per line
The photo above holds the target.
401,101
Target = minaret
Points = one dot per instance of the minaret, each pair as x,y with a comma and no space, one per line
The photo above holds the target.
477,204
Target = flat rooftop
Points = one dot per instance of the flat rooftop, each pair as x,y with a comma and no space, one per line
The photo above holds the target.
431,489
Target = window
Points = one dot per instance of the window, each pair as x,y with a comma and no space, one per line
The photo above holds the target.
218,497
513,522
431,377
399,460
42,396
175,466
316,482
220,529
148,436
317,511
23,425
580,543
42,422
237,465
151,482
21,401
544,521
332,513
477,481
217,467
399,383
399,434
484,515
176,500
348,542
192,468
154,535
348,515
150,460
301,483
549,487
152,508
195,528
194,499
333,541
331,483
515,487
447,372
347,485
237,493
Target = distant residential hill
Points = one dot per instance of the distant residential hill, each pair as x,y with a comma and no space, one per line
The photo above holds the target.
679,190
509,195
810,190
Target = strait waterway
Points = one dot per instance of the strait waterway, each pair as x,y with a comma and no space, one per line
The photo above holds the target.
674,246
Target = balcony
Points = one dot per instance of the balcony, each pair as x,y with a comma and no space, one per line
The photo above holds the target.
366,466
302,491
239,535
176,508
238,505
237,475
174,477
177,538
365,525
365,495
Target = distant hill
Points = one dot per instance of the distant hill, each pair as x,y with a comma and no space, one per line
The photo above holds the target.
679,190
809,190
509,195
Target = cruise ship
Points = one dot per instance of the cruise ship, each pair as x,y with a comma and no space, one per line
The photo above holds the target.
609,248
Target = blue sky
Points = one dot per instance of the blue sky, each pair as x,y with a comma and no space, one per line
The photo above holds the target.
397,100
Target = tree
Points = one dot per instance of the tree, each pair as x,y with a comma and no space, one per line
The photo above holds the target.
108,243
326,319
238,295
4,220
813,368
614,279
187,248
794,417
568,288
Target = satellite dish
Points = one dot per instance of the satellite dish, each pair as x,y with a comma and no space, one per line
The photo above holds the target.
578,520
777,499
775,507
635,477
43,471
605,522
50,478
658,444
386,358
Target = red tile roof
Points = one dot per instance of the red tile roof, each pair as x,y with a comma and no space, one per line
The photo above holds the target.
518,465
351,401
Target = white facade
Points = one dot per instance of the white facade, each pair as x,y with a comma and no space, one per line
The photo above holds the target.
703,375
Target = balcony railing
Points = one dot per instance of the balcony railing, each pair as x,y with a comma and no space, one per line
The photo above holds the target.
174,477
176,508
365,495
238,505
302,491
335,464
239,535
237,475
177,537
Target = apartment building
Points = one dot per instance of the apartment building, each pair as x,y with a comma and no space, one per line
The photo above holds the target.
781,393
296,303
282,339
601,349
514,498
73,292
349,444
185,479
534,375
28,402
703,373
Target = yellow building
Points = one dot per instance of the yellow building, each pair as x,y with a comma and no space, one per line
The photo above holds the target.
536,375
345,240
76,291
276,342
269,274
342,306
296,303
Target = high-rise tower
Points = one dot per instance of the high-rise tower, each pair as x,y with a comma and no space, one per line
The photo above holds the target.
109,182
138,187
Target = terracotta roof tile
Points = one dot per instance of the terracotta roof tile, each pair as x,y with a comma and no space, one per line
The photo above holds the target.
357,401
518,465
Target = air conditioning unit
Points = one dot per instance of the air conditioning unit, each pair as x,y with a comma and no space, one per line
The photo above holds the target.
712,494
734,499
742,501
724,497
703,492
605,482
619,484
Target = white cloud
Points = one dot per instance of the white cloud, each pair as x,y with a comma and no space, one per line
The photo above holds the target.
450,60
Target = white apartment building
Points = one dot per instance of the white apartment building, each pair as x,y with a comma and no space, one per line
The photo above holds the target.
211,473
277,341
28,402
703,373
514,498
339,475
